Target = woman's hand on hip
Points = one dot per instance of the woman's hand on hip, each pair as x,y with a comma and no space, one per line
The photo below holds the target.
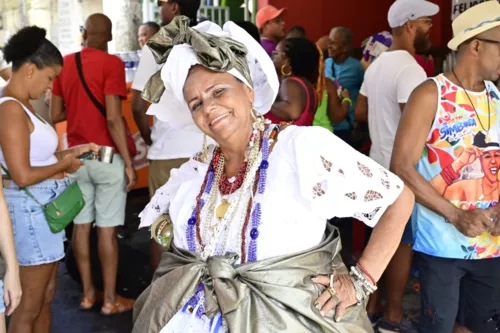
344,295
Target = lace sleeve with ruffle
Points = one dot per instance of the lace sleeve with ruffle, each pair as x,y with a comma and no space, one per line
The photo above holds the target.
337,180
160,202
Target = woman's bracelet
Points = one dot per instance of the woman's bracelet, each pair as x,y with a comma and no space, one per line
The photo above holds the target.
162,231
368,275
360,277
348,100
360,293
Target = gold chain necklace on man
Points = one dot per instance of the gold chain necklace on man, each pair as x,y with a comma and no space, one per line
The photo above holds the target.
488,139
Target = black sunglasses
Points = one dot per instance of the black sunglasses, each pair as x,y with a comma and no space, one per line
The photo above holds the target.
484,40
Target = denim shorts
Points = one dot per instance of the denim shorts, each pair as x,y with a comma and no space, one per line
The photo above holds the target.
2,304
35,243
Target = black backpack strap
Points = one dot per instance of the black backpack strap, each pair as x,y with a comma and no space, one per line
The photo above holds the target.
94,100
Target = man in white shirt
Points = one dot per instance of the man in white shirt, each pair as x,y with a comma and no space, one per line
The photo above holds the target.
388,84
173,142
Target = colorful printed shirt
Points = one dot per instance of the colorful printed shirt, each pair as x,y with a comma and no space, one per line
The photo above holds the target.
461,160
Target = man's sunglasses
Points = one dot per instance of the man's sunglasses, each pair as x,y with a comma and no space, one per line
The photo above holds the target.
484,40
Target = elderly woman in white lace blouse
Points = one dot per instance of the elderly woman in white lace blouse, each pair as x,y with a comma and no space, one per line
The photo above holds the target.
252,250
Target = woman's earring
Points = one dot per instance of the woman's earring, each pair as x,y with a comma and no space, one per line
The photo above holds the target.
204,153
283,70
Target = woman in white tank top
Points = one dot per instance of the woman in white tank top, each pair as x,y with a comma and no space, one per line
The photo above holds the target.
28,147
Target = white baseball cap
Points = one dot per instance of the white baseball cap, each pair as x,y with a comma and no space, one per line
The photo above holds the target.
403,11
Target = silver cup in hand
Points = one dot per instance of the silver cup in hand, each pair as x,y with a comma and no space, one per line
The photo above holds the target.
106,154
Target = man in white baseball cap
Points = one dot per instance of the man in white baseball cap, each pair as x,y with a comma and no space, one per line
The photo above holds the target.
403,11
446,151
387,85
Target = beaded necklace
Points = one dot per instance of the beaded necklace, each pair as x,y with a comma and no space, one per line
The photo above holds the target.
253,180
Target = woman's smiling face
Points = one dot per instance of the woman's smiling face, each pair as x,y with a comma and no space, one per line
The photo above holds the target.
220,104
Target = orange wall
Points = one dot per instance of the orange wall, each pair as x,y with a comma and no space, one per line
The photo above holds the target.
364,17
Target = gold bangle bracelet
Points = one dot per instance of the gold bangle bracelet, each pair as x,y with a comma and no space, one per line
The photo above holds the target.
162,231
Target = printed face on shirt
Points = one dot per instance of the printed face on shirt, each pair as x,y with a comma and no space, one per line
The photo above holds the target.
490,162
220,104
41,79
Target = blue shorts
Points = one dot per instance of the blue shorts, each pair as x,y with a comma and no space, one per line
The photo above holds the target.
2,303
35,243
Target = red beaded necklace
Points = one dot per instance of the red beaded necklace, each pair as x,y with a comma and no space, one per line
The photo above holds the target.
225,186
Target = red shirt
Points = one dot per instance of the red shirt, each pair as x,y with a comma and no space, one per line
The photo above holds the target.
427,64
105,75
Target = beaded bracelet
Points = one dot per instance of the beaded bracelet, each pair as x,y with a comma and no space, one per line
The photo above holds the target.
360,292
358,275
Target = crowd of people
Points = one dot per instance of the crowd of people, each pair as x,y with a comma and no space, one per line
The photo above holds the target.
258,155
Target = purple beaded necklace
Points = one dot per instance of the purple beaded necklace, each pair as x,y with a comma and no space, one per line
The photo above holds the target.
256,213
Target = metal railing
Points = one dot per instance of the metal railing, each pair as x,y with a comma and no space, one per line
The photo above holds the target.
216,14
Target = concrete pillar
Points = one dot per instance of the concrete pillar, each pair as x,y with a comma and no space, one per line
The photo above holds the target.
41,13
11,19
126,16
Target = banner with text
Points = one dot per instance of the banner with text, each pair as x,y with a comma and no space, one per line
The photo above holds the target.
460,6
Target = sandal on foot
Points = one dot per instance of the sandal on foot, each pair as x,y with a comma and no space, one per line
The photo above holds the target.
405,326
88,303
122,305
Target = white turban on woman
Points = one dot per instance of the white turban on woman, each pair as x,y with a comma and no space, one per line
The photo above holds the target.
230,49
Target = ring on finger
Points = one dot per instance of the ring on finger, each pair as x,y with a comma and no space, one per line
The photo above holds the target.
332,292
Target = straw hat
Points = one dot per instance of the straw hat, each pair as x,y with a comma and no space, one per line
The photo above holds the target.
473,21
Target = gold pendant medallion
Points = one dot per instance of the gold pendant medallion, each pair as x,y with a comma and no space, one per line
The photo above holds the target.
221,210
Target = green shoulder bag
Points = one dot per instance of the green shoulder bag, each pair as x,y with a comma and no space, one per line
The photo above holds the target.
321,117
63,209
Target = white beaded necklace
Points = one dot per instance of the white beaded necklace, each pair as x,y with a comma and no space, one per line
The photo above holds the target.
254,159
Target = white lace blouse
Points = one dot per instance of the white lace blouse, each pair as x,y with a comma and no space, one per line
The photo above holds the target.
312,177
